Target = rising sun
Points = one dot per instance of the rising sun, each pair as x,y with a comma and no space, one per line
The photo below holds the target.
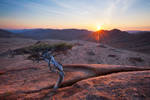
99,27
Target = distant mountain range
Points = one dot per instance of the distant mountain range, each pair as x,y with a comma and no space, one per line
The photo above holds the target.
8,34
116,38
4,33
135,32
63,34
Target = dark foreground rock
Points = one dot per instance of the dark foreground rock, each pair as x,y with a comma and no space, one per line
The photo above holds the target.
82,82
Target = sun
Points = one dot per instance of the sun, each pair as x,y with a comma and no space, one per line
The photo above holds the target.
99,27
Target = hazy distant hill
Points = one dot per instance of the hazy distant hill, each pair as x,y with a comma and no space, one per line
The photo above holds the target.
64,34
136,32
121,39
8,34
4,33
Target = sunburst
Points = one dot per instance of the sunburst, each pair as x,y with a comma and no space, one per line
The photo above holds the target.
99,27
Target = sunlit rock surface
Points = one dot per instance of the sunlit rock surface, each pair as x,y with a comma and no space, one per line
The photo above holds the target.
118,86
82,82
92,72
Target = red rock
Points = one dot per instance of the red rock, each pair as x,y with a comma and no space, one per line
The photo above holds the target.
117,86
34,81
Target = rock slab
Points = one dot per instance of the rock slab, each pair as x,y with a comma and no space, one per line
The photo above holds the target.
82,82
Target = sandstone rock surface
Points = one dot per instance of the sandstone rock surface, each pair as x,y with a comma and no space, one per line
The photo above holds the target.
82,82
92,72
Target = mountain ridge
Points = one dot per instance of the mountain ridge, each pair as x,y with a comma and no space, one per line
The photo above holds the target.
115,38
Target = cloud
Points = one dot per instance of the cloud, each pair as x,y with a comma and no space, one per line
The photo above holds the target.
75,7
117,7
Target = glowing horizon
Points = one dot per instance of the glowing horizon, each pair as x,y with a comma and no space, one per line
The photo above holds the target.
64,14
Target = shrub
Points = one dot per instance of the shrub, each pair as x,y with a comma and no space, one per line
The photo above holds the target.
43,46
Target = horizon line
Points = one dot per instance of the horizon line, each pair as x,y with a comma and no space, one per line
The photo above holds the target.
69,28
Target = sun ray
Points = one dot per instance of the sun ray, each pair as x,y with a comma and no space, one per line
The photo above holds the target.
99,27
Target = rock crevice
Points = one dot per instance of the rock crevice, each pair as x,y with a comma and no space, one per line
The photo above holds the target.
40,81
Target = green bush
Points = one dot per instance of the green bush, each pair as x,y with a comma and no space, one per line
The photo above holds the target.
43,46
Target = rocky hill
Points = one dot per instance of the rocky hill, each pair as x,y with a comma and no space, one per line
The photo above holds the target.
121,39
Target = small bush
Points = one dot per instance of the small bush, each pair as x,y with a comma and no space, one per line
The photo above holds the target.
43,46
62,46
35,50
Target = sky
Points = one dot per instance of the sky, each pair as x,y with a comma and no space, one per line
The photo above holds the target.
80,14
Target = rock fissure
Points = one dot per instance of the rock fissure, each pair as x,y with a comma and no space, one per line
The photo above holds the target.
70,83
39,81
97,75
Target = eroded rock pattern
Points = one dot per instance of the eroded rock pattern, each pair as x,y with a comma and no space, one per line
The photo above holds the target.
117,86
81,82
